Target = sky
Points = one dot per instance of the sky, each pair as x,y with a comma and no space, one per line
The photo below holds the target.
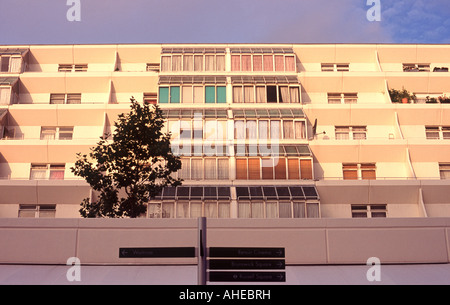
225,21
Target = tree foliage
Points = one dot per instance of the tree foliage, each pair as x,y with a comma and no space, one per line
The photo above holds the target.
131,168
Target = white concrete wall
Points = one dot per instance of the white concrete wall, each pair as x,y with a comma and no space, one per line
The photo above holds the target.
307,241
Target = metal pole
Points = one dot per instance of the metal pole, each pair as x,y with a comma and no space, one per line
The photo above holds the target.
202,251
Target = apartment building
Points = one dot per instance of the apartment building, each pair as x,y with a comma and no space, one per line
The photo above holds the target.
263,131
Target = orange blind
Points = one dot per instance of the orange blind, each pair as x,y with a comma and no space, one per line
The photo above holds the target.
280,169
293,169
253,169
306,169
350,171
267,169
241,169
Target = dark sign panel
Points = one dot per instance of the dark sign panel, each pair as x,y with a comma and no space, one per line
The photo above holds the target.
246,252
157,252
250,264
249,276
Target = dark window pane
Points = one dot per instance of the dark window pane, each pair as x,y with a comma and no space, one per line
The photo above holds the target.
242,193
169,193
269,192
223,192
196,192
297,192
210,192
256,192
271,94
310,191
283,192
183,192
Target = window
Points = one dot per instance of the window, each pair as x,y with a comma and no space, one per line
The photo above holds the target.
368,210
416,67
189,94
208,168
351,132
47,172
273,168
269,129
189,209
277,202
10,64
437,132
263,59
150,98
355,171
191,202
278,209
152,67
56,133
37,210
342,98
189,59
61,98
335,67
266,94
5,95
444,170
72,68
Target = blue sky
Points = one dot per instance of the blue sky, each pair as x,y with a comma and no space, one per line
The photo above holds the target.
225,21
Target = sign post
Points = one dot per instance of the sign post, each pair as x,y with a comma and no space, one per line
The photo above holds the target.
201,251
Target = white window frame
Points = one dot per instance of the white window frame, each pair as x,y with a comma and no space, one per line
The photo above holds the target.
369,210
72,67
441,132
37,210
342,98
47,169
444,170
265,91
65,98
335,67
58,131
351,132
159,208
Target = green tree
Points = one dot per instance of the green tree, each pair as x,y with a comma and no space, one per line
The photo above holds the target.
128,170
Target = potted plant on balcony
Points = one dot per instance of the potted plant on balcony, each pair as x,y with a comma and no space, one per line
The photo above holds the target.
401,96
443,99
431,100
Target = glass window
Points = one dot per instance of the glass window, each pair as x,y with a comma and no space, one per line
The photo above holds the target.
196,169
48,133
221,94
175,94
163,94
65,133
187,95
285,209
271,94
210,94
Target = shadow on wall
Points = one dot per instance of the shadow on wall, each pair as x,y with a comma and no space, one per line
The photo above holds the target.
5,169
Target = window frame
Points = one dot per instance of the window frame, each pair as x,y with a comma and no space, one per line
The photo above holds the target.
368,210
38,210
442,132
360,169
342,97
48,169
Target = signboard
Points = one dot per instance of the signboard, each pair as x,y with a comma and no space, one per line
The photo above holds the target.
230,261
246,276
156,252
252,264
246,252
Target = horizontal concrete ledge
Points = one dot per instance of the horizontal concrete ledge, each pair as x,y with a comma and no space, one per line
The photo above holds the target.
229,223
306,241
